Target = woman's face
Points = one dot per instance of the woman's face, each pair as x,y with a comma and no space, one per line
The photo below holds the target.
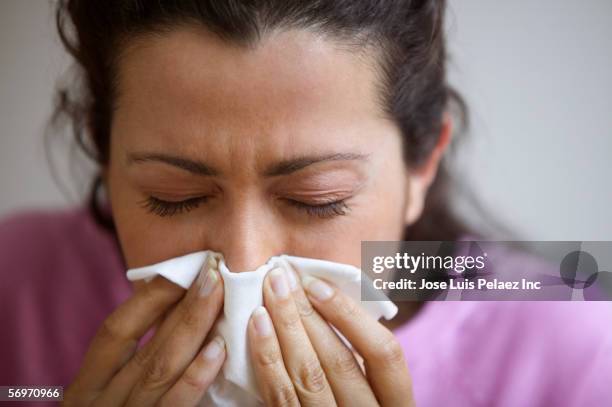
278,149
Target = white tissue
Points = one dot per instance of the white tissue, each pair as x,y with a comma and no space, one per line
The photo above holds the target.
237,385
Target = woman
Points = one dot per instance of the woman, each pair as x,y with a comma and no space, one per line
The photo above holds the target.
254,129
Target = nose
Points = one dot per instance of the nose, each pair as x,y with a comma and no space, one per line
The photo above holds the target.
249,237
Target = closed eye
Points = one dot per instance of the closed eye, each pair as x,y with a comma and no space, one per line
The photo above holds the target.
167,208
325,210
170,208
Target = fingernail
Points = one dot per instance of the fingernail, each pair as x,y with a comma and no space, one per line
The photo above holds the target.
293,284
262,322
210,282
212,262
317,288
214,349
279,283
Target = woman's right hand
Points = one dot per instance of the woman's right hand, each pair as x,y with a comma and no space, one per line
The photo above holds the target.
172,368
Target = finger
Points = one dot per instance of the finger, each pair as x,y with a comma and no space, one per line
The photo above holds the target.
385,365
176,315
273,380
117,338
345,375
196,316
191,386
301,360
118,390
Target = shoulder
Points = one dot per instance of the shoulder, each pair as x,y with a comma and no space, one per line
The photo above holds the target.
61,276
518,353
38,226
45,239
556,349
534,353
55,248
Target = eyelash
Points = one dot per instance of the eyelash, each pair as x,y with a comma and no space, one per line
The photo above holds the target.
326,210
166,208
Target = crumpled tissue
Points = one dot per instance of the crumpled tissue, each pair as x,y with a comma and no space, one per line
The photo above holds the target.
237,386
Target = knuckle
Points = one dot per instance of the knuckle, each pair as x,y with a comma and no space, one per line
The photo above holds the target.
158,373
390,351
304,307
267,357
345,365
311,377
189,316
110,330
283,395
194,381
289,320
141,357
348,309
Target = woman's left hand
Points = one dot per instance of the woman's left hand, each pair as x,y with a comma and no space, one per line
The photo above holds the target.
300,361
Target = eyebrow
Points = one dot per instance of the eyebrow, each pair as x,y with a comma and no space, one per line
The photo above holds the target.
284,167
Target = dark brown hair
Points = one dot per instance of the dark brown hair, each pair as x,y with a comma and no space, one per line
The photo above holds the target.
407,35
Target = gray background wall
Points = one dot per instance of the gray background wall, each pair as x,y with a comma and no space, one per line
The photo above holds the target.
537,76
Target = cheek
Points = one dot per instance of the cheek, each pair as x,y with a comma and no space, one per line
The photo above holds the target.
378,215
146,239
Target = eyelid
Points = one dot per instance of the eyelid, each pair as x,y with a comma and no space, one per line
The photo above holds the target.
175,199
321,181
175,189
314,204
321,197
164,208
325,210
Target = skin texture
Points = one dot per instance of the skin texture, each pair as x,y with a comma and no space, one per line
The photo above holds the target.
245,133
188,94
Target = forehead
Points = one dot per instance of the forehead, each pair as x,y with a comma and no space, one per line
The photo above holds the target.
292,82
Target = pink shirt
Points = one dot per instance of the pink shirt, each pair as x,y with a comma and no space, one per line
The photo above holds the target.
61,275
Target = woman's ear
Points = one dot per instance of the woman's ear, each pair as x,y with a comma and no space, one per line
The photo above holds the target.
421,178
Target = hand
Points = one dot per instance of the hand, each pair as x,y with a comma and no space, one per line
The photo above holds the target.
172,368
299,359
